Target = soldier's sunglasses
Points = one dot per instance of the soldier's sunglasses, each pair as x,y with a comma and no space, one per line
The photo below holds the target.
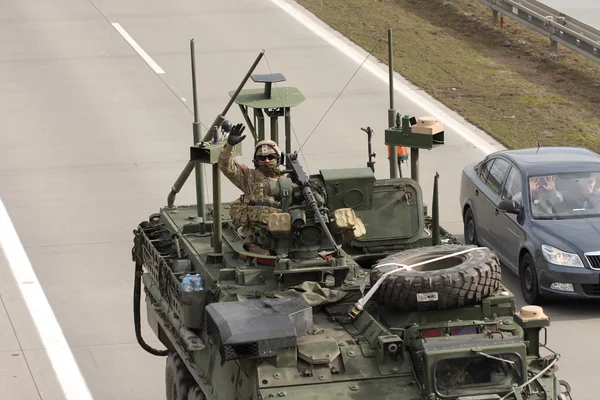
265,158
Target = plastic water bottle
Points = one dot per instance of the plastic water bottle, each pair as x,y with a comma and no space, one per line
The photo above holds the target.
197,282
187,283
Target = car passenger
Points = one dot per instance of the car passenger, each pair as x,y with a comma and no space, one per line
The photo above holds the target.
589,197
544,196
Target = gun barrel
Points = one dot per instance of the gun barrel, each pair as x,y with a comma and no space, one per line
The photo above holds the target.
310,198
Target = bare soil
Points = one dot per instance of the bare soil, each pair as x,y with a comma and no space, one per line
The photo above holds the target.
502,80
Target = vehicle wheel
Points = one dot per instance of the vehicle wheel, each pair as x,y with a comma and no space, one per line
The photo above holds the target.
178,379
529,281
469,231
448,283
195,393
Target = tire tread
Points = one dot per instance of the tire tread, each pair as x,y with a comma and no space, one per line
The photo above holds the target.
470,282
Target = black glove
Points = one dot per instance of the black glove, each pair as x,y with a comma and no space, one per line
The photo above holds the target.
235,136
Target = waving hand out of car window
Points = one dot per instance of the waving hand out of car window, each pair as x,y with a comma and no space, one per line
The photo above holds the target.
544,196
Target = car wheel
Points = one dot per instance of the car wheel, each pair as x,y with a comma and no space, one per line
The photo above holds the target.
529,281
469,231
178,379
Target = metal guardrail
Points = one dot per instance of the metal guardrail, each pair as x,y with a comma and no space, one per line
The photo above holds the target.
557,26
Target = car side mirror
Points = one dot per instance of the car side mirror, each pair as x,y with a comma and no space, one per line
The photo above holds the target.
509,206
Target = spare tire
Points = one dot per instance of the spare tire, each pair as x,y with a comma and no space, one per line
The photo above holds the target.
452,282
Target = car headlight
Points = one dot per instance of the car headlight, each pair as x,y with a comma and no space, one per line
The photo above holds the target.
559,257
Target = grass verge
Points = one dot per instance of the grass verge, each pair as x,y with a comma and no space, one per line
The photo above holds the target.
502,80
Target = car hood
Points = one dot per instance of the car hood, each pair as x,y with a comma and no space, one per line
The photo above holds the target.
581,234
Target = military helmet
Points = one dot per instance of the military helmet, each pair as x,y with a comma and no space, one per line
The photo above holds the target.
264,148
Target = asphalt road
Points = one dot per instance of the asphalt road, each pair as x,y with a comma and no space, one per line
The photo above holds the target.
93,137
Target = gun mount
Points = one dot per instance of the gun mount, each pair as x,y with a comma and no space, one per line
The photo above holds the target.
303,217
357,298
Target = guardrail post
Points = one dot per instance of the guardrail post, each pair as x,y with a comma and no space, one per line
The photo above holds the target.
553,48
494,17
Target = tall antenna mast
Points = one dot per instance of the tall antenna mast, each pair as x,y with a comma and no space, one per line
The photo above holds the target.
199,167
393,158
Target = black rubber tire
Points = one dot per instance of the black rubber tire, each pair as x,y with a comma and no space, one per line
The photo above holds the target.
470,220
528,277
178,379
458,281
195,393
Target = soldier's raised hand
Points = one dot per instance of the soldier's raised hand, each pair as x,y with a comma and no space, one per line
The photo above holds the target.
235,136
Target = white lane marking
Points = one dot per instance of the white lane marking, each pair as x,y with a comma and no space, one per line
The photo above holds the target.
69,376
301,16
138,49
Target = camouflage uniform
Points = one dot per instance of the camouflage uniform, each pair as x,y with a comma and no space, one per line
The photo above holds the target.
253,206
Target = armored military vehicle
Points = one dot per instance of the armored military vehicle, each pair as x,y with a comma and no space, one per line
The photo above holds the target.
362,295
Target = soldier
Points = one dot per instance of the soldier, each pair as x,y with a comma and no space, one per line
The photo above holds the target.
253,207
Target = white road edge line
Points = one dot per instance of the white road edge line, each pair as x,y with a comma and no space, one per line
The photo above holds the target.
299,14
69,376
155,67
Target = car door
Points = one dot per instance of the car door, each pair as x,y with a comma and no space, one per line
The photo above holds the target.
479,206
509,232
486,197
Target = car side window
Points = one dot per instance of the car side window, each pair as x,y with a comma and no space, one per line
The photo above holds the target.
497,174
513,185
485,169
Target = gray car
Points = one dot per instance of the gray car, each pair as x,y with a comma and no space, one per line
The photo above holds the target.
549,233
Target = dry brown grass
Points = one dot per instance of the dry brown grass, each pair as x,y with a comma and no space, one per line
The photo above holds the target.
501,80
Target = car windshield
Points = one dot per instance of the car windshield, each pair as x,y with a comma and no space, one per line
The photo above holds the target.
566,195
477,374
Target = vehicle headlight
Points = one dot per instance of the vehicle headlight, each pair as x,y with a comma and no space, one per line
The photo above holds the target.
559,257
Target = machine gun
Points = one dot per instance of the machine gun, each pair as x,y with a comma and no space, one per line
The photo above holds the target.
300,178
302,225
